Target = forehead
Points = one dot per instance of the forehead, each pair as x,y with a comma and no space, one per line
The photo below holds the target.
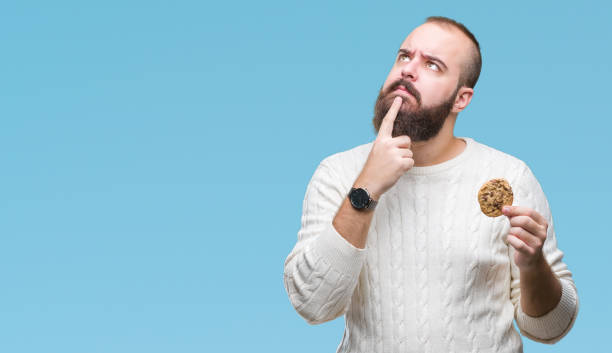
445,42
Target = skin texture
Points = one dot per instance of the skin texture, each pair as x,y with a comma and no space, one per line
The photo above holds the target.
390,157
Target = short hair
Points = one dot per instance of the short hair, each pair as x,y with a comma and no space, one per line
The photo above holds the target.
471,70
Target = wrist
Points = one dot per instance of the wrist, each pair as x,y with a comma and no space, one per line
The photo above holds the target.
537,267
371,188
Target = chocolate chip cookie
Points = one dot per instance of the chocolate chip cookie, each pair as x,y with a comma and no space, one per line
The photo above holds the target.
493,195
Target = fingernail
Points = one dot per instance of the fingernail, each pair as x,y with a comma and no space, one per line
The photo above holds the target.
506,209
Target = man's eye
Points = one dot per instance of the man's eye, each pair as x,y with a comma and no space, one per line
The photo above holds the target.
404,57
433,66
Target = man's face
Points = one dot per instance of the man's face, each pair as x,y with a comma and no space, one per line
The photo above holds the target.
425,74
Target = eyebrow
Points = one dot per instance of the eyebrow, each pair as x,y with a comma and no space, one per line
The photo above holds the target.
427,56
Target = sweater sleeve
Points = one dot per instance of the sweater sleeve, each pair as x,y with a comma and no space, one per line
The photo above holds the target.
555,324
322,270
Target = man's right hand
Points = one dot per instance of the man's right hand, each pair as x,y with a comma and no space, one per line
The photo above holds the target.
389,158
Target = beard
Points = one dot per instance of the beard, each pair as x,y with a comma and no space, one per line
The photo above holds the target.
420,124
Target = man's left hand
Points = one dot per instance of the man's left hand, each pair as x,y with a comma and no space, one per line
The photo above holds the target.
527,235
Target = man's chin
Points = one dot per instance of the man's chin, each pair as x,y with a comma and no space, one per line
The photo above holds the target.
407,110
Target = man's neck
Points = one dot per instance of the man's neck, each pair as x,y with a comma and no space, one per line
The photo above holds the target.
440,148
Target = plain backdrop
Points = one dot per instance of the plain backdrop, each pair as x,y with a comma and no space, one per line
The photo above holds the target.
154,157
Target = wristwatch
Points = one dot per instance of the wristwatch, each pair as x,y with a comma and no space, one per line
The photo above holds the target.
361,200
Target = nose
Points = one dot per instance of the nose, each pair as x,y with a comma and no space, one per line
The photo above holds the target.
409,70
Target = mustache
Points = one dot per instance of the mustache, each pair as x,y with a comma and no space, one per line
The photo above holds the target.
409,87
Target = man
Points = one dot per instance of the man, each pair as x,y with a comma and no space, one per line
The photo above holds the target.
393,236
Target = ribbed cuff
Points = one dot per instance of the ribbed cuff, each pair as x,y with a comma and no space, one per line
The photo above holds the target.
555,324
339,253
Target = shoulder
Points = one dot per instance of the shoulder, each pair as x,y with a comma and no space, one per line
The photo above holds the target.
345,166
527,190
497,159
486,163
347,161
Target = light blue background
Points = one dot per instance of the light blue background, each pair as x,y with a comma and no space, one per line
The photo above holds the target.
154,157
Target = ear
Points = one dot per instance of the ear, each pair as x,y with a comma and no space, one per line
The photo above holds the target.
462,99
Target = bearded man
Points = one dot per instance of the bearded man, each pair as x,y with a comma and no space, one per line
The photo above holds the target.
393,236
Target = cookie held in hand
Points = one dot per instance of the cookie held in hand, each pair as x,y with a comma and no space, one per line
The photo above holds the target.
493,195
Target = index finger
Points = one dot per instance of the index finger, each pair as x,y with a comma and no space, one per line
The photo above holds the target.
386,127
514,211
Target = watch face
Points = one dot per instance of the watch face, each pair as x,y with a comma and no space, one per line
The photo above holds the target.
359,198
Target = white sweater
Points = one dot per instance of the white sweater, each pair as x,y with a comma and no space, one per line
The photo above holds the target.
436,275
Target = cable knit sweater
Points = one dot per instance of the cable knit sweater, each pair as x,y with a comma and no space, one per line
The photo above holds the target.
436,275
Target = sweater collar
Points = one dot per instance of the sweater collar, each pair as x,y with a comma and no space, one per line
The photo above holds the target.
446,165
